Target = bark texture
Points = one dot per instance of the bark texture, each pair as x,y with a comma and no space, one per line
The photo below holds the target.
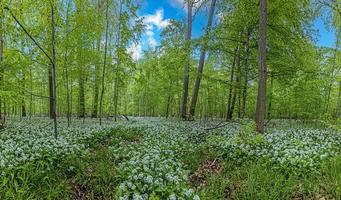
261,98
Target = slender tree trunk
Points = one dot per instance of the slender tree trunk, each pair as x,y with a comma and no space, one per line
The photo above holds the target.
187,63
104,63
1,78
23,105
31,96
201,61
94,112
235,86
41,100
116,91
81,72
66,63
96,87
126,101
81,91
168,105
229,101
54,69
270,98
118,66
239,85
168,99
246,74
50,92
261,98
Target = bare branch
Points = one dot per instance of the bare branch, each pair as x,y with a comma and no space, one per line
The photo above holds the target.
28,34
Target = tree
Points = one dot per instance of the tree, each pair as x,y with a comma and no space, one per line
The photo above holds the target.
54,69
260,109
105,62
66,63
187,62
1,72
202,61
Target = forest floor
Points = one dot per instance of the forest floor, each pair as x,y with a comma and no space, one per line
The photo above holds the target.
154,158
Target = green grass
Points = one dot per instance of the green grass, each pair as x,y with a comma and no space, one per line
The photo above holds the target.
91,175
260,181
40,179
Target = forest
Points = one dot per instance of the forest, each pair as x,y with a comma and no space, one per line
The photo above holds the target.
170,99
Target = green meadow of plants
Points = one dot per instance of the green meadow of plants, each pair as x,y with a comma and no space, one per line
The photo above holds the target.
153,158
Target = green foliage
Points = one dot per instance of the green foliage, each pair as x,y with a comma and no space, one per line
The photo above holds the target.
42,179
258,181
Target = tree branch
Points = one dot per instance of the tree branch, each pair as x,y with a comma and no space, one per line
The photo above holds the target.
28,34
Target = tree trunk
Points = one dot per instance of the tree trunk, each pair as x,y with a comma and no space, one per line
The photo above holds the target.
31,96
239,84
105,62
80,62
94,112
66,63
246,74
235,86
81,92
50,92
23,105
1,79
270,98
96,87
118,66
201,61
261,98
169,98
116,92
229,101
187,62
54,99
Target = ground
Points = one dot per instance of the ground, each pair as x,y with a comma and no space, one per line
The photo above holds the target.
154,158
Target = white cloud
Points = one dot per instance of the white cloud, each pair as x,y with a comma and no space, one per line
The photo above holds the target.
152,42
149,33
135,50
176,3
153,21
183,5
156,19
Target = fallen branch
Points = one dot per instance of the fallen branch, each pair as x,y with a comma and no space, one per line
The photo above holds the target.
126,117
219,125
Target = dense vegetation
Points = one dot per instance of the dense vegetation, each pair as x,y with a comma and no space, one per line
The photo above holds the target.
250,109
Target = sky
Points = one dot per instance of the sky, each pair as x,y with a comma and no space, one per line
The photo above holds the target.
157,14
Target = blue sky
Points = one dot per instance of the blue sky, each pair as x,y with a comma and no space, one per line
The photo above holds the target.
157,14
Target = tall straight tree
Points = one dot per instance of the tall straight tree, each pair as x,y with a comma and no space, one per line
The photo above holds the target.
202,61
246,74
81,51
260,109
1,72
118,57
105,61
66,62
230,103
187,63
54,69
94,112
